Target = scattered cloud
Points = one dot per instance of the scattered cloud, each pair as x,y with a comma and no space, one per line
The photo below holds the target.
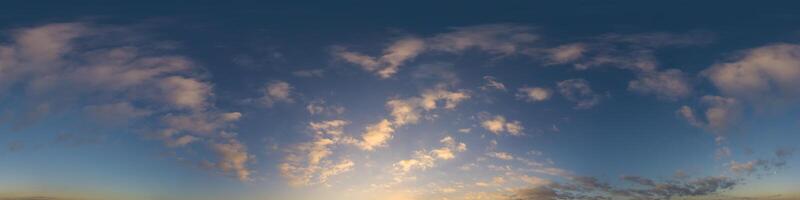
113,73
720,114
498,124
276,91
422,160
764,75
534,94
389,63
579,91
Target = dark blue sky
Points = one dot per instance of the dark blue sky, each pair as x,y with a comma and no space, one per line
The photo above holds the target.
399,100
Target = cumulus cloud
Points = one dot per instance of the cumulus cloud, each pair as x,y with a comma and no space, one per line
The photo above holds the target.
534,94
671,84
770,72
498,124
275,92
579,91
389,63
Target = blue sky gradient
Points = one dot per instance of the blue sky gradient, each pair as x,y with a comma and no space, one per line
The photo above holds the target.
399,100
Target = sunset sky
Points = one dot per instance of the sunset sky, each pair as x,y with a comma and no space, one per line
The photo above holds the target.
399,100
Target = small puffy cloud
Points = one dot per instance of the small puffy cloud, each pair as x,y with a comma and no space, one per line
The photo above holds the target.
498,124
566,53
233,158
276,91
721,112
767,74
579,91
534,94
671,84
376,135
492,84
409,110
389,63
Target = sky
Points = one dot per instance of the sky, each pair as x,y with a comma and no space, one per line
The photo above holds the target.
399,100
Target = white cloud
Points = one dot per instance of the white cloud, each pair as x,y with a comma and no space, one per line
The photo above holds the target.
566,53
276,91
389,63
767,74
409,111
233,158
376,135
422,160
115,77
579,91
308,164
721,113
185,92
534,94
498,124
671,84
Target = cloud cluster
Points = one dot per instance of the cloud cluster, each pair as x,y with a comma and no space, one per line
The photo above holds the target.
423,159
408,111
498,124
498,39
721,112
308,164
111,78
591,188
